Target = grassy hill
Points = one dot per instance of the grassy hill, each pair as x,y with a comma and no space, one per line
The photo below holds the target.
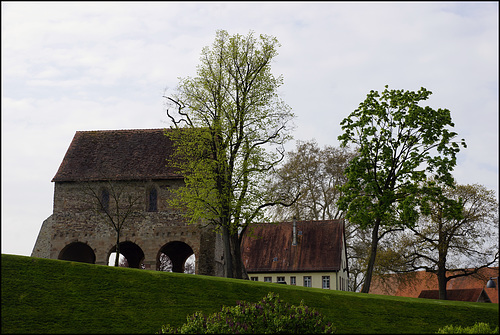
51,296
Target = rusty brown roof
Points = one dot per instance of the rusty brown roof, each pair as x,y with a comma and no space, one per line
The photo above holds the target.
470,294
268,247
411,284
135,154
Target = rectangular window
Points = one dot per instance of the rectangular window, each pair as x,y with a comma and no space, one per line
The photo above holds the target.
254,278
153,200
307,281
293,280
268,279
326,282
280,279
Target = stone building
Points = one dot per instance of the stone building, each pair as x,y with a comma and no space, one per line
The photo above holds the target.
126,172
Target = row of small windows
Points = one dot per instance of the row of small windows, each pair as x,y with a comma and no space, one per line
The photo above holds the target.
152,205
307,281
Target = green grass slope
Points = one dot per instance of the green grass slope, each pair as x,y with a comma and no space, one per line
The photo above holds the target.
51,296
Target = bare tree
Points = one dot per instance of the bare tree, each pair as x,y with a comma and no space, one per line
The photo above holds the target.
316,174
114,205
457,237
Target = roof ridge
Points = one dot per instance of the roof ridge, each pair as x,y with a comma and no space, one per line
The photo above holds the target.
122,130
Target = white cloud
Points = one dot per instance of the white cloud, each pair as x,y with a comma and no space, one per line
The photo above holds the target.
69,66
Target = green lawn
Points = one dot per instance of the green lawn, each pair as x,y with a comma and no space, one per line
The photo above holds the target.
51,296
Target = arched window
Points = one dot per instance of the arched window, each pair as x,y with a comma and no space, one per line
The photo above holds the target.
104,199
153,200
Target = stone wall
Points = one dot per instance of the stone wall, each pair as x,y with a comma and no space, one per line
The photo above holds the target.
76,218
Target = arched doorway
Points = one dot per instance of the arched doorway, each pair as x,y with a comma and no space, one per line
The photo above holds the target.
177,252
77,252
131,252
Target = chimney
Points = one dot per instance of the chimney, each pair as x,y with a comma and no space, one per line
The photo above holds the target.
294,234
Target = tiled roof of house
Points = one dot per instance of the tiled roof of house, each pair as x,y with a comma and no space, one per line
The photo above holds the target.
268,247
411,284
135,154
470,294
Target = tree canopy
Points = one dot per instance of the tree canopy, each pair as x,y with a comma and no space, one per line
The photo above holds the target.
457,235
400,144
233,126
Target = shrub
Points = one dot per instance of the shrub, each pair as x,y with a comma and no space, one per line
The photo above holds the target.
478,328
269,316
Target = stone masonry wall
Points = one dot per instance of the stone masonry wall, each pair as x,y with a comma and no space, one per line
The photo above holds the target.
75,219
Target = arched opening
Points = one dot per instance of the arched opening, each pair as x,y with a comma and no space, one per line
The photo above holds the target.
176,257
77,252
132,254
122,261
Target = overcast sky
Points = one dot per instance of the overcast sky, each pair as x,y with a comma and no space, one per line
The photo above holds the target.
71,66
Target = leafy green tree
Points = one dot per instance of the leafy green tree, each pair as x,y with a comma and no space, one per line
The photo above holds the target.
457,236
232,128
399,144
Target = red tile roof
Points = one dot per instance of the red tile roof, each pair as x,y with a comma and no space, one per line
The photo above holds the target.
411,284
268,247
137,154
469,294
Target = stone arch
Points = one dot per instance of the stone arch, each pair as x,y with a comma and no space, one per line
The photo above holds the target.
178,252
77,252
132,252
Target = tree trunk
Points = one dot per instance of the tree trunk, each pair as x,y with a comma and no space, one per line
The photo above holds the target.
228,262
442,284
373,256
441,265
238,266
117,257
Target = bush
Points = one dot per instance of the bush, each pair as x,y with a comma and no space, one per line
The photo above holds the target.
478,328
269,316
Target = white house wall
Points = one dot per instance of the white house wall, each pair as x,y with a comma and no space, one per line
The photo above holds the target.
337,281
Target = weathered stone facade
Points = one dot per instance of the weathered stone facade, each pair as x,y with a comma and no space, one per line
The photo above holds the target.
78,229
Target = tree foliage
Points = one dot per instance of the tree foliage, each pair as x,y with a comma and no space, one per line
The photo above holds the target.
399,145
233,126
456,236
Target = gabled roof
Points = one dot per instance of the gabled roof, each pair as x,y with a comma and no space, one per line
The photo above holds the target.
136,154
268,247
470,294
411,284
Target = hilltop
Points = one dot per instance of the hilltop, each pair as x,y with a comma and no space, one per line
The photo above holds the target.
53,296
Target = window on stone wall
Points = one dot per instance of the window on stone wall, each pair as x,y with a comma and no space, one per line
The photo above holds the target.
104,199
153,200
